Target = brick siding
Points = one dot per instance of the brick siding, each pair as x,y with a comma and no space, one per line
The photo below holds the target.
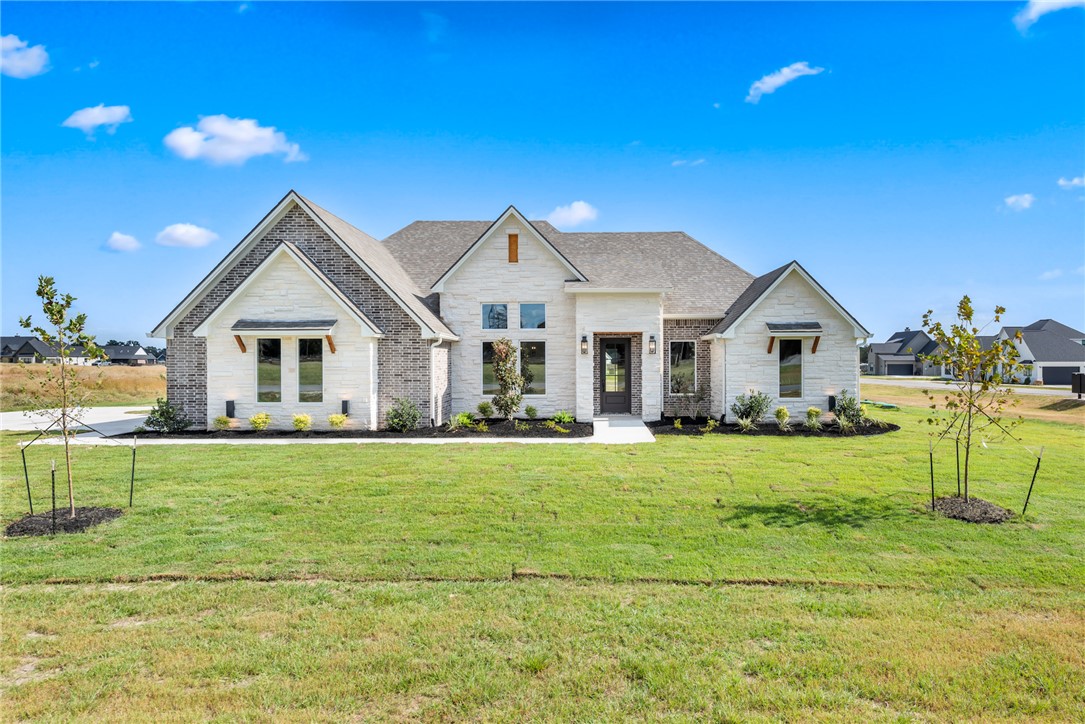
635,373
686,330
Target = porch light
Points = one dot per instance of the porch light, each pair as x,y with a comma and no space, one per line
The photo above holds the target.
584,344
230,409
832,403
651,344
346,407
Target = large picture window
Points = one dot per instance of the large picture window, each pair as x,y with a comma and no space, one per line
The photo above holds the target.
269,370
532,316
495,316
791,368
533,367
489,383
683,361
310,370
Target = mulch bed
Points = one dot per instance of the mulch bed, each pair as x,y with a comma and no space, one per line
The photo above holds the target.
693,427
973,510
498,428
42,523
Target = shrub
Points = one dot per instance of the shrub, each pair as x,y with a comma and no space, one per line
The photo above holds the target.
260,421
485,409
462,419
520,426
848,408
531,412
509,380
551,425
303,423
404,415
337,421
813,419
752,407
710,425
678,423
221,423
563,417
782,416
845,425
166,417
745,424
481,426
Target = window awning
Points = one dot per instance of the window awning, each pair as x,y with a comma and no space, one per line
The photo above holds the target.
284,326
795,328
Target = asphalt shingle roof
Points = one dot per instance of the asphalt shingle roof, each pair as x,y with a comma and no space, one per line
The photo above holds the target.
748,298
1050,325
1049,346
314,324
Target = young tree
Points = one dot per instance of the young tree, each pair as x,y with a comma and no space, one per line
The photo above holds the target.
509,380
59,396
977,400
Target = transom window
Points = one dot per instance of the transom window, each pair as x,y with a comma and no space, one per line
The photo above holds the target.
683,363
532,316
495,316
791,368
533,367
269,370
310,370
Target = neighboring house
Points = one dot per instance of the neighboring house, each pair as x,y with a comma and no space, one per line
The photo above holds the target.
127,354
309,314
903,355
1050,352
31,350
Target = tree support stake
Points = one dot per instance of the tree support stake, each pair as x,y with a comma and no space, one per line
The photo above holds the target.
931,445
1034,472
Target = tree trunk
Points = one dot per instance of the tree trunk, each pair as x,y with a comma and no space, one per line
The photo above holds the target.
967,449
64,403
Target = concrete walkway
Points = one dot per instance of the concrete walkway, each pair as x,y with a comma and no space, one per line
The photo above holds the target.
110,420
608,431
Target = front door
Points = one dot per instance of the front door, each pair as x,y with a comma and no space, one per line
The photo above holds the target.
614,384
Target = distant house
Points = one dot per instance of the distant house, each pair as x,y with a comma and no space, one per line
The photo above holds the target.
902,355
31,350
127,354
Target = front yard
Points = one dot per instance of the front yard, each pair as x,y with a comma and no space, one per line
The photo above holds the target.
718,576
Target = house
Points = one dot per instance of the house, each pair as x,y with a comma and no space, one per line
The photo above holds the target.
310,314
1049,351
127,354
903,355
31,350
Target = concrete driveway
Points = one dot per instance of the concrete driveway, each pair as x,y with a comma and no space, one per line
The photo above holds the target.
109,420
925,383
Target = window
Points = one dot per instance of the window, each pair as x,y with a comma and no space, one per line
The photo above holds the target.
533,367
495,316
532,316
269,370
791,368
683,367
489,383
310,370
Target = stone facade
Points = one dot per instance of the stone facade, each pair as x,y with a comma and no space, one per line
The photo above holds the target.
687,330
442,383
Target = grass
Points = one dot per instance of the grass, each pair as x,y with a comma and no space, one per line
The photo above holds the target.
1029,407
717,577
111,385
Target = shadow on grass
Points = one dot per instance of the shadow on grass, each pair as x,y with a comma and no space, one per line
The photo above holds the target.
1064,405
845,513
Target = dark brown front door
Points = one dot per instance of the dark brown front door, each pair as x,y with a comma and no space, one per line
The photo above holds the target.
614,376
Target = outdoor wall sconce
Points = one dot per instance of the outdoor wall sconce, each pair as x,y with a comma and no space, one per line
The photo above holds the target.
651,344
584,344
832,403
230,409
346,407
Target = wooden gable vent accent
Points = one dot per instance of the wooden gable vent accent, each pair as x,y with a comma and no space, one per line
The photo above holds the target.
514,248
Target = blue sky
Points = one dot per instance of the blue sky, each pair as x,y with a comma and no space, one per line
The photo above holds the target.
913,154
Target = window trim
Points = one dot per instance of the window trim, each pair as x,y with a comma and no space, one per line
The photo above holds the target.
482,313
693,390
802,368
520,314
298,348
256,372
521,343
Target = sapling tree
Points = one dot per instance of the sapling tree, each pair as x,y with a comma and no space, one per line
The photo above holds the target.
510,383
977,401
61,392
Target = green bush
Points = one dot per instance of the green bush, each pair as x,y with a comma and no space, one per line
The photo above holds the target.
520,426
531,412
563,417
552,425
782,416
221,423
710,425
813,419
481,426
678,423
260,421
509,380
166,417
752,407
337,421
848,408
404,415
745,424
462,419
303,423
485,409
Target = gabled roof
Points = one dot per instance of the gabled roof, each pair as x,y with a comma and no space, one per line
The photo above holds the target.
1050,325
762,286
1047,346
11,345
125,351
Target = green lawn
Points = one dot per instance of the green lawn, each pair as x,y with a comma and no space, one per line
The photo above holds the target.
722,577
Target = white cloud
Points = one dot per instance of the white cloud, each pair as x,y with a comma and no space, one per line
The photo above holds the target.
88,120
242,8
1035,9
436,26
186,235
19,59
687,162
1051,274
774,81
715,105
1019,202
574,214
224,140
122,242
1069,183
